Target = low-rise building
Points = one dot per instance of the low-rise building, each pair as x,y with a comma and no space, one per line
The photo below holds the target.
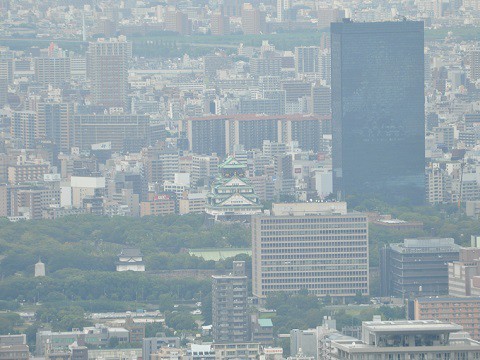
161,204
192,203
130,260
232,351
151,346
402,340
14,347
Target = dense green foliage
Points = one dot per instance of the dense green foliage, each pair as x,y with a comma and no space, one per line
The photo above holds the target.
80,254
92,242
8,322
97,285
304,311
180,320
445,221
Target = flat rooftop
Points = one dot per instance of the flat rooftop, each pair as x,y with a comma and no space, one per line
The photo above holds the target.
426,245
433,299
412,326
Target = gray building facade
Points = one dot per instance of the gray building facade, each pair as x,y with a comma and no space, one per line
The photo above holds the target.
229,306
417,267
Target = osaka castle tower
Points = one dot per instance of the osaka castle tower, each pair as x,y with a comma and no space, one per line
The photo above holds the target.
231,196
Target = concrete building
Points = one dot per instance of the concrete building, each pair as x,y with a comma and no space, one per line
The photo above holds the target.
229,306
14,347
417,267
233,351
261,330
307,59
151,345
321,100
219,24
253,20
304,342
461,311
204,168
83,187
295,248
161,165
462,274
200,352
22,127
192,203
125,132
53,123
108,71
53,71
177,21
436,186
158,205
474,64
222,134
24,171
422,339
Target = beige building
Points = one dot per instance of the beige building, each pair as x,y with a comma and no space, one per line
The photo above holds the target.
192,203
462,273
315,246
108,70
157,205
53,71
245,351
27,171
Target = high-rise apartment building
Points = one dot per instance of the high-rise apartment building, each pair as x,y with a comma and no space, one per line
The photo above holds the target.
321,100
307,59
253,20
232,7
53,71
319,247
229,306
204,168
220,134
54,123
161,165
475,64
326,16
219,24
6,77
177,21
108,71
124,131
22,127
378,109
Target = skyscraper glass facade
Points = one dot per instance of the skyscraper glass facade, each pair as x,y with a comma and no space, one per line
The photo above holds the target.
378,110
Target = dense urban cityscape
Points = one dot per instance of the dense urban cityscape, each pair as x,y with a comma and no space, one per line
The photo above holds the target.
239,179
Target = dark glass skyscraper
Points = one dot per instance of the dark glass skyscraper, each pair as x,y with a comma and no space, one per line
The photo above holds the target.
378,110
